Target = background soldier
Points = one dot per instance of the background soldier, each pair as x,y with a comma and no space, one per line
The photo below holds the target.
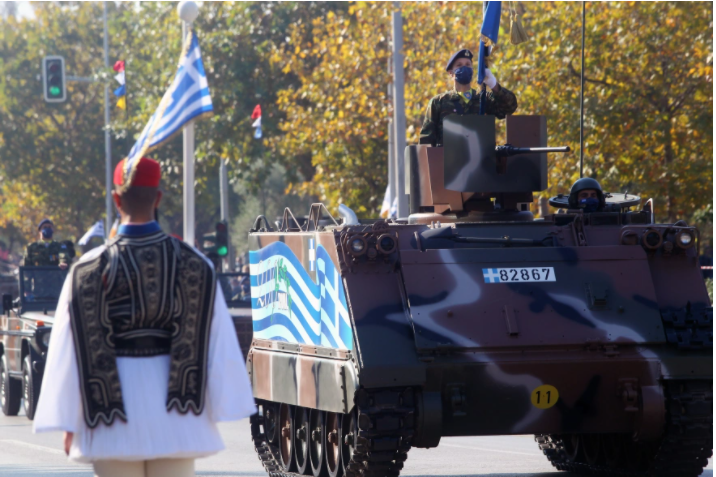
463,99
47,252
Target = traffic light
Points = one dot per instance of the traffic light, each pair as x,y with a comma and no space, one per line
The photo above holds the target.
222,239
53,79
215,245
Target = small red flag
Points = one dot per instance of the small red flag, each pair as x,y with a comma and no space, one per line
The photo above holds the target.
257,112
119,66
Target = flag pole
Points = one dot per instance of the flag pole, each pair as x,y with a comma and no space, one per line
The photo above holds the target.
188,11
107,138
399,110
581,98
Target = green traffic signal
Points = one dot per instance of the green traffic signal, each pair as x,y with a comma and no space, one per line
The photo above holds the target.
222,239
53,77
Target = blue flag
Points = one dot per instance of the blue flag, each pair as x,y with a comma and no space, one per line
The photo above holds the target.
491,23
488,37
187,98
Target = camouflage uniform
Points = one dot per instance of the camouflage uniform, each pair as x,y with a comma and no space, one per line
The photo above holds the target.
47,254
499,104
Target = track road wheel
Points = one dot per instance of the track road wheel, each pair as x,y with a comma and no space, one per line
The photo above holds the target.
591,448
349,435
317,442
10,390
286,437
573,447
333,444
300,440
613,450
30,388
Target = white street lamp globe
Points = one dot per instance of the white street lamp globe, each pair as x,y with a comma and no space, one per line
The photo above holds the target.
188,11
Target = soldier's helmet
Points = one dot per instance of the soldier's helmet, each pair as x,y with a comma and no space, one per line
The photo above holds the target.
585,183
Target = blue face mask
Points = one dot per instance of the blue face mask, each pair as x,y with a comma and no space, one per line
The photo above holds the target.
463,75
590,204
47,233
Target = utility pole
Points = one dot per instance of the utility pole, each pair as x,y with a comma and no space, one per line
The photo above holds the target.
107,138
188,12
399,109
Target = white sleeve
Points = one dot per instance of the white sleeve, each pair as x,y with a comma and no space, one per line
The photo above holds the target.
60,405
229,395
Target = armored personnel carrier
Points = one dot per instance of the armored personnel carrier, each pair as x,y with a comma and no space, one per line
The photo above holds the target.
592,331
25,327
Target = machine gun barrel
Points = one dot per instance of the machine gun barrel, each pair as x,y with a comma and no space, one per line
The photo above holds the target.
508,150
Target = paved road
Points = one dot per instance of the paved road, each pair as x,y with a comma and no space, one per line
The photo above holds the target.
23,454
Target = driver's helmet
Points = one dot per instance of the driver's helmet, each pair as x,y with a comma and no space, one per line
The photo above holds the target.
583,184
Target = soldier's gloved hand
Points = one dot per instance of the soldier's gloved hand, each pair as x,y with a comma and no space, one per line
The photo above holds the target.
490,79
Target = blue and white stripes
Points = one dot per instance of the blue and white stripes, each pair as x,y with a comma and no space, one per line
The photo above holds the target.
287,305
187,98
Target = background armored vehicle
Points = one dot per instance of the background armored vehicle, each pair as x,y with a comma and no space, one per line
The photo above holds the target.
591,331
25,328
237,292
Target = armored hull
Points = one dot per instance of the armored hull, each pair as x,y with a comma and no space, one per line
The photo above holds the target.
599,341
592,331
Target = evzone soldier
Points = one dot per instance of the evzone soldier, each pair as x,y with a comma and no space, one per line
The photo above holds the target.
143,361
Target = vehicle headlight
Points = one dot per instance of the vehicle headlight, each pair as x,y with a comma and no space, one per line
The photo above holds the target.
652,239
386,244
684,239
357,245
46,339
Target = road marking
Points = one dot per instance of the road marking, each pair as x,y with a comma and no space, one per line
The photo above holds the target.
33,446
531,454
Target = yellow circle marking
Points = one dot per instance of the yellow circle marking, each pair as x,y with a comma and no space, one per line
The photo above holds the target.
545,396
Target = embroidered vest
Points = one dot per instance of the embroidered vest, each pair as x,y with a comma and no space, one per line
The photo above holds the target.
153,290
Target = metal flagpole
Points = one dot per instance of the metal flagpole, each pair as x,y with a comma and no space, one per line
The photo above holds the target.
391,146
399,109
187,12
107,138
581,99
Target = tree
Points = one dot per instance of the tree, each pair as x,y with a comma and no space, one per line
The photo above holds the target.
58,149
51,152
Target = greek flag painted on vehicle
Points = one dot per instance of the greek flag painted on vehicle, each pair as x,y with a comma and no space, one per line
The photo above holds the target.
287,305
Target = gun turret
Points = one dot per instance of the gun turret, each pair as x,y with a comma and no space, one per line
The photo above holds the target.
472,178
508,150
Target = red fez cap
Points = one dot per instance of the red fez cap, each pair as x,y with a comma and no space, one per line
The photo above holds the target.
147,173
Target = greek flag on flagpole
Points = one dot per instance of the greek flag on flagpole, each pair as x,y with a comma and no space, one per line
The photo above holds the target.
187,98
97,230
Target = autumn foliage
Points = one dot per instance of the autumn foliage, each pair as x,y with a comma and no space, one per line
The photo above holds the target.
648,127
320,72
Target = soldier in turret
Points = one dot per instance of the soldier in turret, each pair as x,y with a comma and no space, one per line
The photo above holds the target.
587,194
47,252
463,99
